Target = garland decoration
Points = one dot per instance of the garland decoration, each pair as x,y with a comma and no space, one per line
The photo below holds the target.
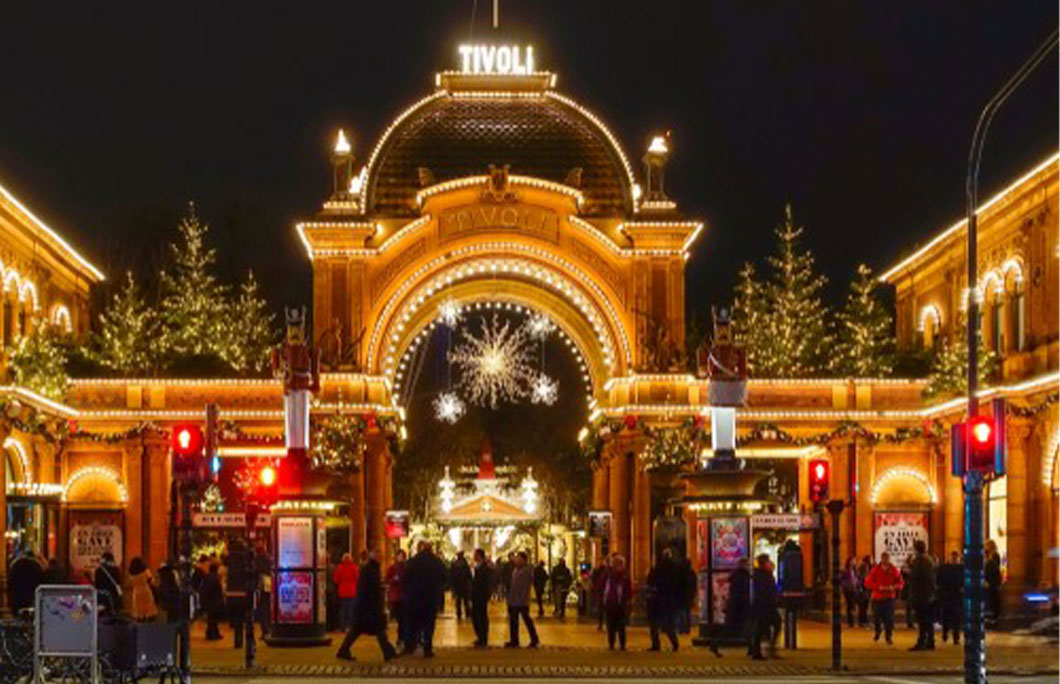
339,440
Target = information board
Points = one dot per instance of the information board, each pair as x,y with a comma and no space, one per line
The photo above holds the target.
65,618
294,598
295,542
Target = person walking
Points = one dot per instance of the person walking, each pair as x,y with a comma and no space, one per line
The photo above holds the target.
55,573
597,580
737,606
519,601
864,593
395,598
618,595
540,581
24,576
212,598
764,613
885,583
992,579
346,576
849,581
169,592
107,581
141,588
561,580
369,618
662,584
460,584
950,593
425,577
481,590
922,596
506,567
263,587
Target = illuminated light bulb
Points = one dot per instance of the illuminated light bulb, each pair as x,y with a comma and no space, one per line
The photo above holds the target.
342,145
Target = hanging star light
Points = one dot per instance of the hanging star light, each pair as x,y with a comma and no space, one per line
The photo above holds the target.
544,390
448,407
450,312
540,326
496,366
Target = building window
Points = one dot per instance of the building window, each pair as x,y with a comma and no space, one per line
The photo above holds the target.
997,336
997,516
1019,315
9,324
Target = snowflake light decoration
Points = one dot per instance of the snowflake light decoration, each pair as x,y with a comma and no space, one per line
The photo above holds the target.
450,312
496,366
540,326
544,390
448,407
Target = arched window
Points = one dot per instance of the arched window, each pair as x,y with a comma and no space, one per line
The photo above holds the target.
997,330
1015,316
930,325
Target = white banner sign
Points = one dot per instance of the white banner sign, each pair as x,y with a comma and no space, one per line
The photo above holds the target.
783,521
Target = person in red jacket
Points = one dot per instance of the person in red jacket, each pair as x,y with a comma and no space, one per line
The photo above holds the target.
346,575
885,583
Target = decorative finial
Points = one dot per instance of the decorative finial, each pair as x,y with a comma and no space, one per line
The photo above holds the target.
655,168
342,167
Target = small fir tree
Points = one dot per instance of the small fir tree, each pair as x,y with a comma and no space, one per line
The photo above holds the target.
194,302
949,369
782,321
250,331
128,341
37,361
865,345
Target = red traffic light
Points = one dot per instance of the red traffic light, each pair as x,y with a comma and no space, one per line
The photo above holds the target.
819,476
978,444
187,440
267,476
982,431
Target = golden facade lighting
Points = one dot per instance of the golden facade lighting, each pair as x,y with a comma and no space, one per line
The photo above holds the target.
902,471
14,445
96,471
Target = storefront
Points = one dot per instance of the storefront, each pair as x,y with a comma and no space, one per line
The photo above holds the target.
903,499
93,518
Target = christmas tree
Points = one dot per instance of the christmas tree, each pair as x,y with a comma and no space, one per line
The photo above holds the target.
249,330
128,338
949,369
782,322
865,345
194,302
37,361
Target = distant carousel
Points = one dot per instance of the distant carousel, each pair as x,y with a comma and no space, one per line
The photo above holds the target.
488,511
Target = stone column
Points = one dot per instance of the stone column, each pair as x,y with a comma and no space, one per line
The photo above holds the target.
601,498
952,505
839,458
863,510
619,499
136,506
158,479
357,522
44,452
939,462
640,551
805,538
1017,494
375,482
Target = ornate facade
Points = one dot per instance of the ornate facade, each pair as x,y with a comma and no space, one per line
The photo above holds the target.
498,189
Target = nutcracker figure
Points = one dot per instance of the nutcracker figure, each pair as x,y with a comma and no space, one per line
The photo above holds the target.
296,363
725,364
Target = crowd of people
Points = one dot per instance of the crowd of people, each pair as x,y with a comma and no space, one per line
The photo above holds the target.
933,593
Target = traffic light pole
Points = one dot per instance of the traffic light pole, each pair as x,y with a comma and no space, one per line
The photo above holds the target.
184,543
835,509
251,588
974,642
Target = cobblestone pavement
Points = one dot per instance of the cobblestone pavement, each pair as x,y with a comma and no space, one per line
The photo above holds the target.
575,649
817,679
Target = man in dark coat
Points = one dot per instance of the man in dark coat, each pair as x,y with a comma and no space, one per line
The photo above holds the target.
922,596
25,575
107,581
737,604
369,618
561,582
663,582
950,594
212,597
460,583
425,577
764,607
540,580
481,590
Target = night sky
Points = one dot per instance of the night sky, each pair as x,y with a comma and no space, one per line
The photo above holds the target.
114,115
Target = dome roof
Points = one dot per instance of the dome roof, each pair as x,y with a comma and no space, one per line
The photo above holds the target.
455,135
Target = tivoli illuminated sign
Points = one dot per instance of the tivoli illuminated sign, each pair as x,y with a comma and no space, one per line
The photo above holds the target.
496,59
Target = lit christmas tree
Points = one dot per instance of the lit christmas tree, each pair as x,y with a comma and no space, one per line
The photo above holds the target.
194,303
865,345
949,369
128,338
37,361
249,329
782,322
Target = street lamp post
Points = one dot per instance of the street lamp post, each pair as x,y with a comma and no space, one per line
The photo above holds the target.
974,638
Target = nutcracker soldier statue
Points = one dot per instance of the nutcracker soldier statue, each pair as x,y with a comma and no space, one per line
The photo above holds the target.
725,364
296,363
